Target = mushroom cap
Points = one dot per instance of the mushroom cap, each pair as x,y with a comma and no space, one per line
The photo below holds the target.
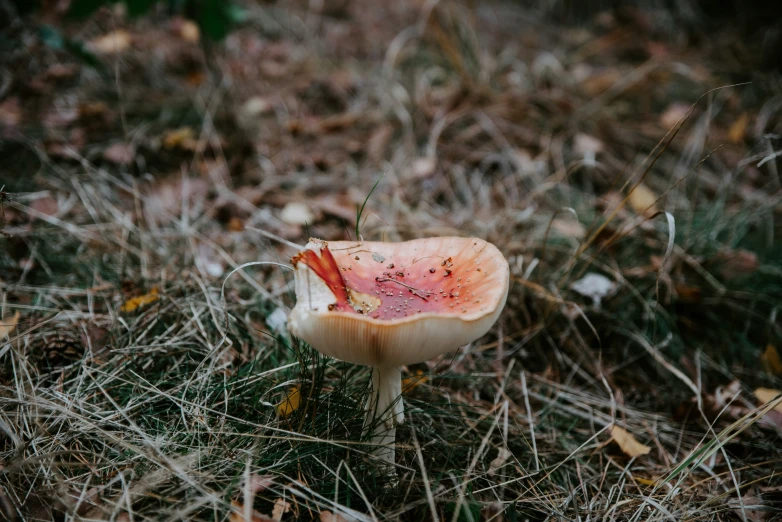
391,304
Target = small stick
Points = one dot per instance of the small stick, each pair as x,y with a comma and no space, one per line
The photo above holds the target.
415,291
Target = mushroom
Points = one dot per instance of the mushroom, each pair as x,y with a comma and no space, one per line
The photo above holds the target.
386,305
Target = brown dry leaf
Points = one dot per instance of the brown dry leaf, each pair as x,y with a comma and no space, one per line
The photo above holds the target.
120,153
569,228
189,31
738,129
601,81
673,114
766,395
328,516
642,200
771,360
111,43
8,325
142,300
752,507
737,263
377,144
238,514
627,442
688,293
499,461
411,383
235,224
290,403
182,138
46,205
10,112
280,508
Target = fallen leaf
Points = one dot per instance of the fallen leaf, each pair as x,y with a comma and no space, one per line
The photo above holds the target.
296,213
422,167
645,481
569,228
45,205
181,138
280,508
642,200
736,263
8,325
724,394
171,194
377,144
10,113
120,153
601,81
771,360
673,114
189,31
328,516
627,442
195,78
238,514
766,395
111,43
499,460
235,224
596,286
290,403
137,302
688,293
752,507
412,382
738,129
256,106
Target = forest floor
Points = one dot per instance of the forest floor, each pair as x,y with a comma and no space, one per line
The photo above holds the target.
627,169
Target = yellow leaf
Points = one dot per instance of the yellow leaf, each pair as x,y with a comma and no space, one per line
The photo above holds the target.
771,360
189,31
132,304
8,325
738,129
642,200
645,481
627,442
766,395
110,43
411,383
290,403
183,138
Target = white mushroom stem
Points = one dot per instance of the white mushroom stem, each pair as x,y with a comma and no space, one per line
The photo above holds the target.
385,410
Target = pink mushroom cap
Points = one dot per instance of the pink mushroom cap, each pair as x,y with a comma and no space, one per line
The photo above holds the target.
391,304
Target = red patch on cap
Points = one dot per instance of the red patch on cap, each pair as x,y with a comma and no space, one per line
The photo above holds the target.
327,269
